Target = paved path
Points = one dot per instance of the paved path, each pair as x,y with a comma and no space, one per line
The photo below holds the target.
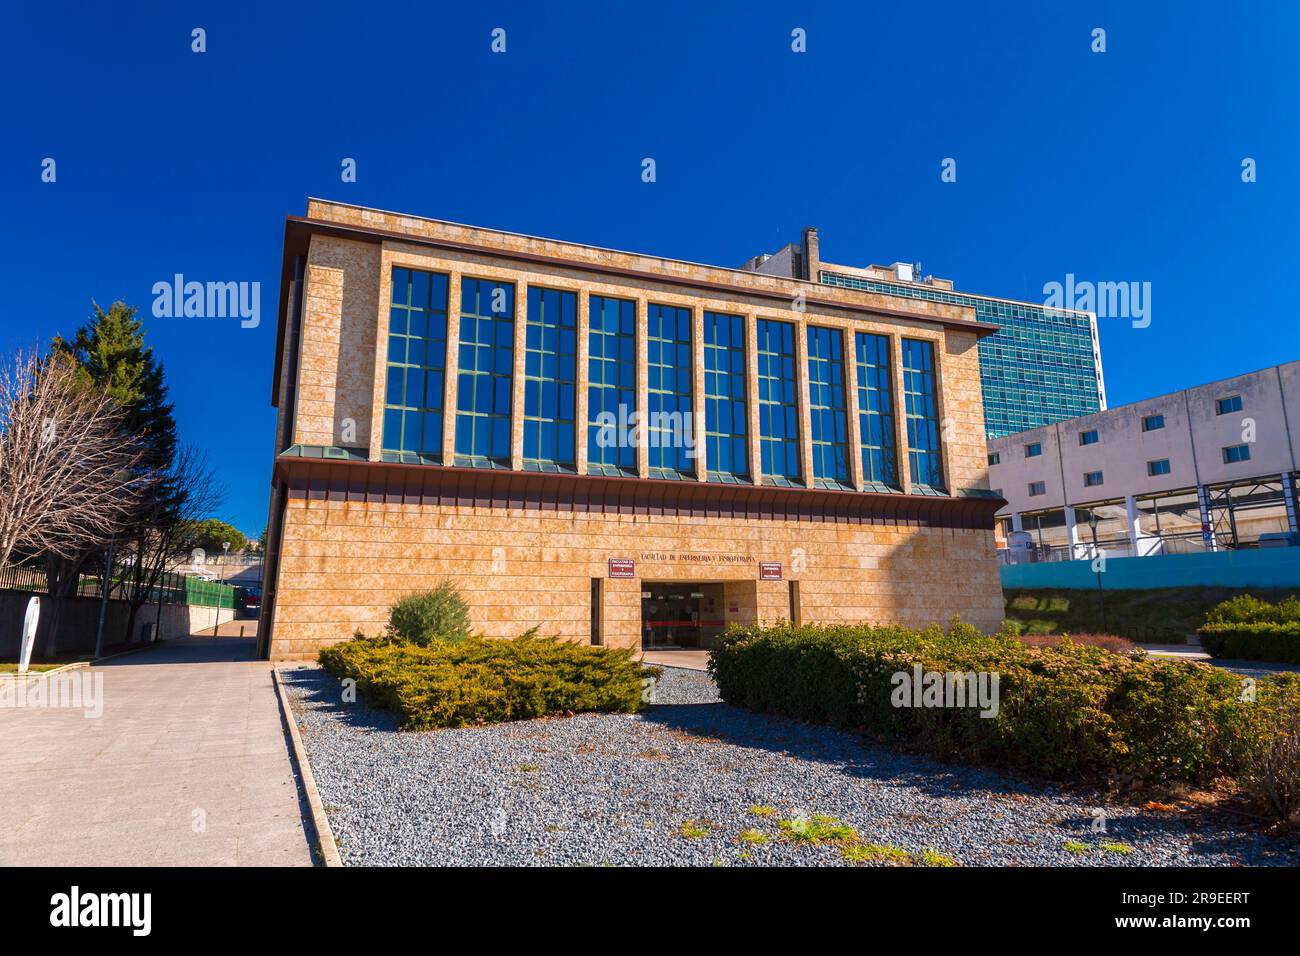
187,765
689,659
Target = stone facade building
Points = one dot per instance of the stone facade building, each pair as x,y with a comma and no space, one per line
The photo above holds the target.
614,448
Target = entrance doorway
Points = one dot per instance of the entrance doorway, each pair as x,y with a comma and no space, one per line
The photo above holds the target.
680,615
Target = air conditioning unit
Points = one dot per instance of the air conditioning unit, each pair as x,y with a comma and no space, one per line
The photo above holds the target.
904,271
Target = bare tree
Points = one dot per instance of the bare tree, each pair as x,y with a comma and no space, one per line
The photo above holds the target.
69,476
185,493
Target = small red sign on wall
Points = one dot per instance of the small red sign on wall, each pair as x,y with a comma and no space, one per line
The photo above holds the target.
622,568
769,570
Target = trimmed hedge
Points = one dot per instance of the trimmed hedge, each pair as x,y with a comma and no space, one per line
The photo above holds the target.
1065,711
1246,628
478,680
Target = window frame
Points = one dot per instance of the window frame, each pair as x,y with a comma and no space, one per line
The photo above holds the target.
432,377
786,407
715,400
874,378
620,458
832,417
470,416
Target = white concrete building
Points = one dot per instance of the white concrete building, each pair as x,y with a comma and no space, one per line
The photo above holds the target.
1209,467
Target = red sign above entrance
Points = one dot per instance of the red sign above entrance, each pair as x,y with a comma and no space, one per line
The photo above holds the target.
622,568
769,570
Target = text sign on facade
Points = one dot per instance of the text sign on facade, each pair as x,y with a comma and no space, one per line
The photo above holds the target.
622,568
769,571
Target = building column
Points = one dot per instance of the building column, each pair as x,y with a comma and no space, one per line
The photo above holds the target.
1134,525
1207,519
1288,493
698,425
517,384
642,385
380,383
582,382
1071,533
751,399
452,373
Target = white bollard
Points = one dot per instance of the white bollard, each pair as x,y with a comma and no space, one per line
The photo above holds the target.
29,633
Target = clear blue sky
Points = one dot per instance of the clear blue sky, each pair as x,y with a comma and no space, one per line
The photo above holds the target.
1117,166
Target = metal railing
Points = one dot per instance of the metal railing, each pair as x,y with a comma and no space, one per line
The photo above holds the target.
1114,547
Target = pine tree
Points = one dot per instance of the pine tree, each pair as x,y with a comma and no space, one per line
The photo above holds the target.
111,351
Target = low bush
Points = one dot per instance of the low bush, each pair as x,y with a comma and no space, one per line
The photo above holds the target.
440,614
1246,628
1253,642
479,680
1158,615
1107,642
1066,711
1271,770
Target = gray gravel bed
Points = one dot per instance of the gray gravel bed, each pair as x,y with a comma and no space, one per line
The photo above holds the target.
619,789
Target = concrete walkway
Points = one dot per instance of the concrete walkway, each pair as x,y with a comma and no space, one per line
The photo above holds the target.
188,764
684,657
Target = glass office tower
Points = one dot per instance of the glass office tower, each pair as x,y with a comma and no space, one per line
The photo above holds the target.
1042,366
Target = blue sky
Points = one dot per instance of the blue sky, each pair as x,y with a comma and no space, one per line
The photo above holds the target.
1122,166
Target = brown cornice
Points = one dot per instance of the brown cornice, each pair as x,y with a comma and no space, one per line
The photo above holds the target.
315,479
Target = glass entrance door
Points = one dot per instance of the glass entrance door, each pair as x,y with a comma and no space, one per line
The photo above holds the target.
670,616
680,615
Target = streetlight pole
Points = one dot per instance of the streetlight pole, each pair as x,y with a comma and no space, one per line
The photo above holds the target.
1101,594
104,585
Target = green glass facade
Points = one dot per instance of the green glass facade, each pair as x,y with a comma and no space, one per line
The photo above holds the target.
1040,367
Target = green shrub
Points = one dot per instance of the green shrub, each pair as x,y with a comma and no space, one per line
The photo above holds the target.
1263,641
1157,615
430,615
478,680
1064,711
1272,767
1246,628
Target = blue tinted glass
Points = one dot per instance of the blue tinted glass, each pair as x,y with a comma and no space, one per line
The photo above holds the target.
724,419
778,436
921,410
487,370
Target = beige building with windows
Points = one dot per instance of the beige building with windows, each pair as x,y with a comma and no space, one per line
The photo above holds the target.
614,448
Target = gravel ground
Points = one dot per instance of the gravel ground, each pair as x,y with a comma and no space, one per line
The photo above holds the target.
620,789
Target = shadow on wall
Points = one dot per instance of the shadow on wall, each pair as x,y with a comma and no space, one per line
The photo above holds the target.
80,621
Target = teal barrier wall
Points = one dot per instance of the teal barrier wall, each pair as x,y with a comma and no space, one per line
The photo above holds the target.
1267,568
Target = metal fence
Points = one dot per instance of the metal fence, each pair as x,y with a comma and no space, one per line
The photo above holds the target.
1114,547
172,588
